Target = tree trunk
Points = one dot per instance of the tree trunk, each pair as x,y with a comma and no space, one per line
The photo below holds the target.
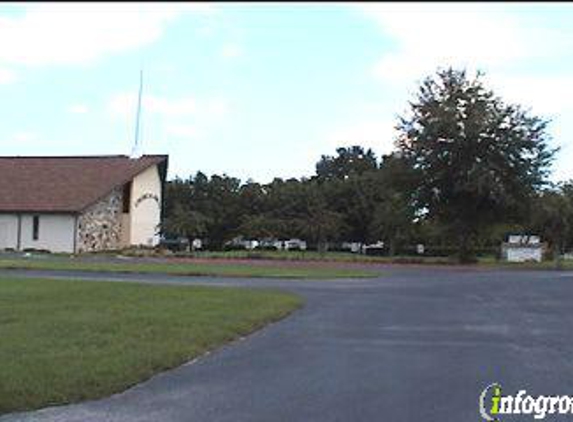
557,248
321,243
391,247
465,253
322,248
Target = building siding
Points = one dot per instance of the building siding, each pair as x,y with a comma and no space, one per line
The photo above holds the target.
8,231
56,232
145,208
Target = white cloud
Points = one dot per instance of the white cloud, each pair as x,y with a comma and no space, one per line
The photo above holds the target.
230,51
125,105
474,36
168,118
216,107
206,30
548,95
122,104
78,109
171,107
431,35
181,131
72,33
6,76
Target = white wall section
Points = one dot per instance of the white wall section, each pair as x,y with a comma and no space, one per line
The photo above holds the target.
56,232
145,208
8,231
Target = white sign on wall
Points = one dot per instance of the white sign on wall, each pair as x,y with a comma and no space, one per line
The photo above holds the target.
146,196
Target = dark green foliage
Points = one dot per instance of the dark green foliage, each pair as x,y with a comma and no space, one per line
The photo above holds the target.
203,206
552,217
392,220
344,204
469,169
349,161
317,222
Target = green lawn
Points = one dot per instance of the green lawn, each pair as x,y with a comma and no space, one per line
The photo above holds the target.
291,256
331,256
66,341
193,269
342,257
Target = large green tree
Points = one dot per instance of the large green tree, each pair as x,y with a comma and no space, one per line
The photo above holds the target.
393,220
316,221
210,208
479,159
552,218
186,223
355,185
348,161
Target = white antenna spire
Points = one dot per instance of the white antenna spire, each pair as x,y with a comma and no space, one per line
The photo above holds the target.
136,152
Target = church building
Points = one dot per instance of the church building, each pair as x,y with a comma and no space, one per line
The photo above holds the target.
80,204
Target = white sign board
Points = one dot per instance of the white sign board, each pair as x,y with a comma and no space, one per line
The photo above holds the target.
524,254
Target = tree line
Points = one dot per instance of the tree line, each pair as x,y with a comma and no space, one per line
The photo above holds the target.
468,169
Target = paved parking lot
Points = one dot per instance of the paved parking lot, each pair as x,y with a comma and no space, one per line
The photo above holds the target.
412,345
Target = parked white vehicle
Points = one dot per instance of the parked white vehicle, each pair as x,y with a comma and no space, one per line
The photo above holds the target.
295,244
248,244
357,247
354,247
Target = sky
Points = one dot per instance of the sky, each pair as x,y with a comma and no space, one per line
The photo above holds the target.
258,91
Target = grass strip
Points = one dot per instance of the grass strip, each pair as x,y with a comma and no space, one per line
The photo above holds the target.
67,341
188,269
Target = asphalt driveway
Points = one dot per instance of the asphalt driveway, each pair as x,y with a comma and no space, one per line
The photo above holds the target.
413,345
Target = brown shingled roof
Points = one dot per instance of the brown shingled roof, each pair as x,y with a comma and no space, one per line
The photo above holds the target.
65,184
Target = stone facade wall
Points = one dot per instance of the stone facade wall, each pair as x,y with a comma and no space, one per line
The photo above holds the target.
99,227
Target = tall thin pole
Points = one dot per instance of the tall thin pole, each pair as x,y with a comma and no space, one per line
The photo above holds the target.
136,153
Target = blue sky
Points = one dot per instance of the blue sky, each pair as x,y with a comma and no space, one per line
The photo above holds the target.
262,90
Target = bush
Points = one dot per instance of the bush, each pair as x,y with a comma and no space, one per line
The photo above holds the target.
142,251
34,250
234,248
266,248
376,251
